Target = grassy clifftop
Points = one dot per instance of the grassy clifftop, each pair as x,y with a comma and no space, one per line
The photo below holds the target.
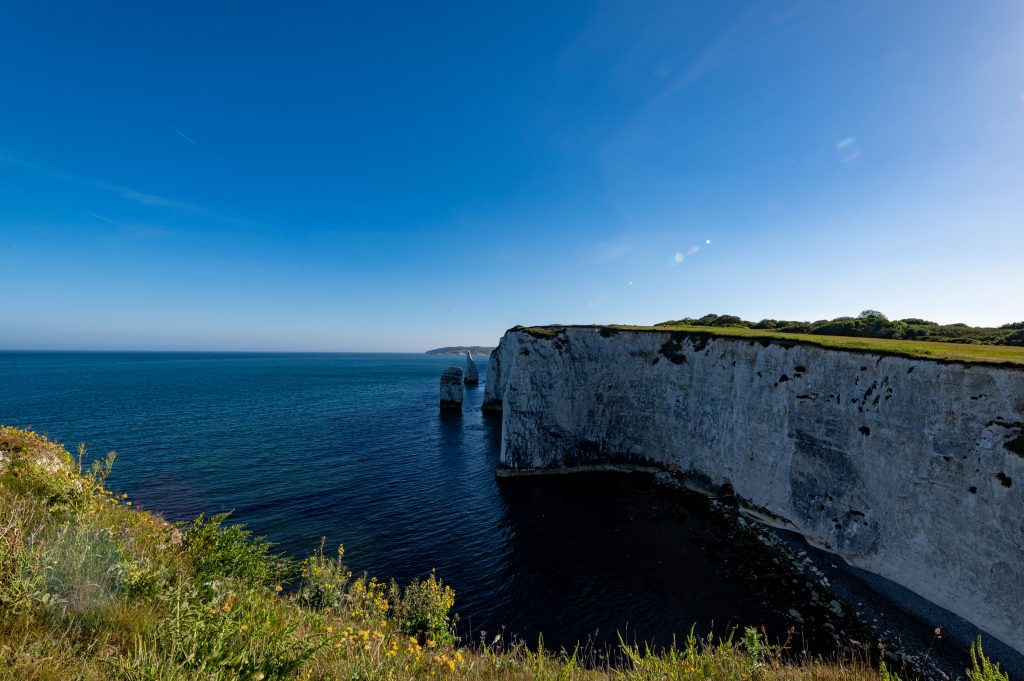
914,349
91,587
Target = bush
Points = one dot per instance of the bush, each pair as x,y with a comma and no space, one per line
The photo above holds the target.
324,580
1016,338
423,608
218,552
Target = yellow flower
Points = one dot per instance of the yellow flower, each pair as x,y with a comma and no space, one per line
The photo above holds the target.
278,588
226,608
330,630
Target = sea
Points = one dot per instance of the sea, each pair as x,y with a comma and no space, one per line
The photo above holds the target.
351,449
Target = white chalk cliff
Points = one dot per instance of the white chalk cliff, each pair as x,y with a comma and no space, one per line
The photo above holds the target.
911,469
472,375
451,388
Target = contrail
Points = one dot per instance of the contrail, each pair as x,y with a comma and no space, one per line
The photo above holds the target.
184,136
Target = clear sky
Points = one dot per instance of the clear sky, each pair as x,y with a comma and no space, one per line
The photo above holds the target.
399,176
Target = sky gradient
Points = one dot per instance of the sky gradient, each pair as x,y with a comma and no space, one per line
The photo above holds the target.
401,176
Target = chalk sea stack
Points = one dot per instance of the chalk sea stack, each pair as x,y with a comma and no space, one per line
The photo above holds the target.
451,388
472,375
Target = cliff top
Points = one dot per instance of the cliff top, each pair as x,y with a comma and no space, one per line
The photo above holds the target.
933,350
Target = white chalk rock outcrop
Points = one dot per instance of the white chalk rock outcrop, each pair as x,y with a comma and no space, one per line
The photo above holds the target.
911,469
451,388
472,375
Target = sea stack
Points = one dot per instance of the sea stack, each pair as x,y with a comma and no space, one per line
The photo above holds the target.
472,375
451,388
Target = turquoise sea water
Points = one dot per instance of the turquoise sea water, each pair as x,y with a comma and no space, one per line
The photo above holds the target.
351,448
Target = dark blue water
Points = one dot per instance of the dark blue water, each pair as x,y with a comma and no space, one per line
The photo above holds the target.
351,448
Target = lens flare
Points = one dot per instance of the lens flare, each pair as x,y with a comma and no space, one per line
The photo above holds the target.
848,150
679,257
692,250
708,242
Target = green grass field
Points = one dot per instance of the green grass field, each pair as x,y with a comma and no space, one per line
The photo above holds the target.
946,352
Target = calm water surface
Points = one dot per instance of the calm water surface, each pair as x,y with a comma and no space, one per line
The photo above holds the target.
351,448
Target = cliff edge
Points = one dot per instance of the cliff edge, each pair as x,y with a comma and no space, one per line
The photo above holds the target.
909,468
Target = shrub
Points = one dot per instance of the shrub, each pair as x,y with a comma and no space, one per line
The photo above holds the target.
218,552
324,580
423,608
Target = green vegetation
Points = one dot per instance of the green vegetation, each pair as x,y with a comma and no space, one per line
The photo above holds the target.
871,331
94,588
874,324
478,350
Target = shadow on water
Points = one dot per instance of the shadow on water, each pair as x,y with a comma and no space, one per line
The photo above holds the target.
450,425
622,554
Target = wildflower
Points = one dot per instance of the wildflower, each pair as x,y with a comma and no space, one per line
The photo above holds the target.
226,608
278,588
330,630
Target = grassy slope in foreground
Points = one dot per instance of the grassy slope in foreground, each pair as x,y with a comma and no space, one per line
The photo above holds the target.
93,588
943,352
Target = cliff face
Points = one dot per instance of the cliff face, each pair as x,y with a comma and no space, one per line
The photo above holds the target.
910,469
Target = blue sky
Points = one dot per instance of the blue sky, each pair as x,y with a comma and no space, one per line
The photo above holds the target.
398,176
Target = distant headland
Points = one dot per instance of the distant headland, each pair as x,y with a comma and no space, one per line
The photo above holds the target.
462,349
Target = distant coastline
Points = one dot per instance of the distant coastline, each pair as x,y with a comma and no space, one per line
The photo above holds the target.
461,350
